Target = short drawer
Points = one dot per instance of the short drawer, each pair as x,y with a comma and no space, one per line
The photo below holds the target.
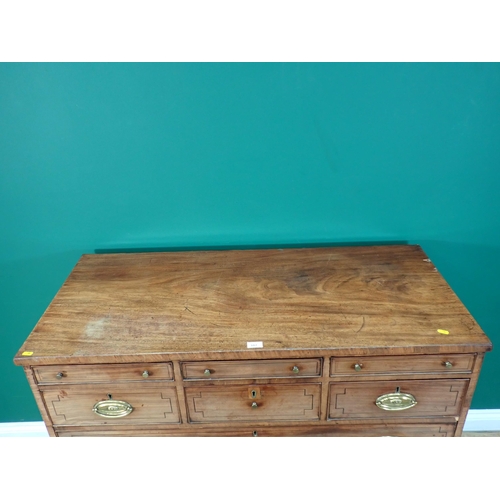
273,402
76,374
149,403
254,369
381,365
432,398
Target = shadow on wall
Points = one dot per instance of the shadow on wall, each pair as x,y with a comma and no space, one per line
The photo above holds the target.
247,247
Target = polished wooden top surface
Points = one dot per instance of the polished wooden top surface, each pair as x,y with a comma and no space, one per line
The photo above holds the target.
181,305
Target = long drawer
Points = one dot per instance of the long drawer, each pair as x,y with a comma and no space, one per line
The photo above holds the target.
149,403
272,402
417,398
355,430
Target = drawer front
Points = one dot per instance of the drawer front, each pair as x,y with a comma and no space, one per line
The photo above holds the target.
76,374
356,430
435,398
277,368
73,405
272,402
381,365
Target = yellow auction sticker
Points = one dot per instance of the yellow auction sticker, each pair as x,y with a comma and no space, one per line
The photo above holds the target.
444,332
27,353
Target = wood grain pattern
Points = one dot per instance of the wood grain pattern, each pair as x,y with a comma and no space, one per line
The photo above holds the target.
352,300
380,365
39,400
470,392
368,430
273,402
72,405
435,398
73,374
185,318
253,369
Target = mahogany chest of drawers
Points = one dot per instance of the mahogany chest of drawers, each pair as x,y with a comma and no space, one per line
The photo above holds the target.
345,341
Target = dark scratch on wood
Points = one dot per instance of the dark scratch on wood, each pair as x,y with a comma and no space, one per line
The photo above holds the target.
342,282
362,325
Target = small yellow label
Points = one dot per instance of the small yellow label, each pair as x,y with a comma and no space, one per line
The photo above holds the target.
444,332
27,353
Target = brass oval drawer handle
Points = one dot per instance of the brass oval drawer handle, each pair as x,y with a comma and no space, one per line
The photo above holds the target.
358,367
447,364
295,369
112,408
59,375
145,374
396,401
207,372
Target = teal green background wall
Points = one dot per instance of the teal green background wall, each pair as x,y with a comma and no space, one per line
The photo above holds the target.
96,156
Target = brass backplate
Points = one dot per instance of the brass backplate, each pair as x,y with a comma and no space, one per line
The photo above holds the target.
396,401
112,408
